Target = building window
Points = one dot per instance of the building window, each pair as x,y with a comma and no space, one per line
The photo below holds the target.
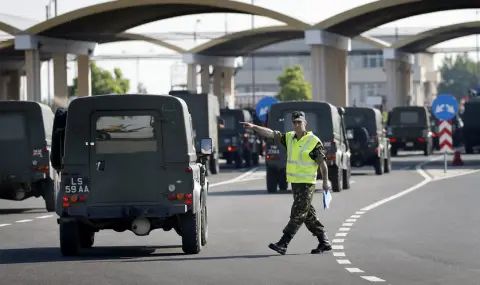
373,60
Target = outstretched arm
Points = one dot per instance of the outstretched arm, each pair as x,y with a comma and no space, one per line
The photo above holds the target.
262,131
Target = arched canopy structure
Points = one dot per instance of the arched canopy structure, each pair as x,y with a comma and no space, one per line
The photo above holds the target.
12,25
114,17
245,42
366,17
424,40
7,50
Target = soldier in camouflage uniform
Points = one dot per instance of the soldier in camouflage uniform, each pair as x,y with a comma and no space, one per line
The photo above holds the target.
302,208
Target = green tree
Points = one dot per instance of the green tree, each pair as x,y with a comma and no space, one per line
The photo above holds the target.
103,82
293,86
458,76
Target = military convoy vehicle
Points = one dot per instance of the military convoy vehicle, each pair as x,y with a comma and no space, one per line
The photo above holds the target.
327,123
237,144
130,163
409,128
471,128
25,140
367,139
205,111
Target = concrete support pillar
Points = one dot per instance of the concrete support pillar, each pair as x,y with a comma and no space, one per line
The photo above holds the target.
398,69
229,87
217,85
84,76
60,87
205,78
192,77
13,85
32,67
329,66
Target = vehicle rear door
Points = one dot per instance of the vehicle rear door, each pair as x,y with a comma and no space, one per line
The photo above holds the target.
15,152
127,157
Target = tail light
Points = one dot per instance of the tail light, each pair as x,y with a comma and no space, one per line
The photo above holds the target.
44,169
187,198
393,140
188,169
421,140
70,200
231,149
245,135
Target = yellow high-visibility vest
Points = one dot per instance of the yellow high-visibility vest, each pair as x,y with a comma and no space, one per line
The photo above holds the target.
300,167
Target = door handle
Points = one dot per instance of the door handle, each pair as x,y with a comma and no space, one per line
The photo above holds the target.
100,165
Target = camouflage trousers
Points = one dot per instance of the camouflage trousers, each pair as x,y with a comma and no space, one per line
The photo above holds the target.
303,211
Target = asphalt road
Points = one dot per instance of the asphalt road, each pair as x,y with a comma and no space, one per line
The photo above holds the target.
244,219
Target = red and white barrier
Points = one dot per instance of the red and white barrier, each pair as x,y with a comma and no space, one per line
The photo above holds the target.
445,137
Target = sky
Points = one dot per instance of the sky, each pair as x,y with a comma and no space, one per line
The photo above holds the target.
155,74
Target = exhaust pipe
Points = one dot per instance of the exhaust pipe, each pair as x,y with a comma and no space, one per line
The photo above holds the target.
141,226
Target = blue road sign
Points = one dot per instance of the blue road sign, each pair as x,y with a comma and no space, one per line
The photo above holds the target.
263,106
444,107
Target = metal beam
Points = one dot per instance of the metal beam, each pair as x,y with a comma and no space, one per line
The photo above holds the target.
53,45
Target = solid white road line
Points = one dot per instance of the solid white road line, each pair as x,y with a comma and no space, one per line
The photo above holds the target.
24,221
4,225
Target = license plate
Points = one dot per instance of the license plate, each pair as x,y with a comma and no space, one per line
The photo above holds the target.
409,144
75,185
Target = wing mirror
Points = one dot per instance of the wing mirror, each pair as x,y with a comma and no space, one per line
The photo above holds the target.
206,146
341,111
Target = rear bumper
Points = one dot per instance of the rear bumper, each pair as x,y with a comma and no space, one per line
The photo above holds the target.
125,212
11,179
362,158
409,144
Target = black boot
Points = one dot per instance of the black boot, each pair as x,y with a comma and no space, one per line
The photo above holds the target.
281,245
323,244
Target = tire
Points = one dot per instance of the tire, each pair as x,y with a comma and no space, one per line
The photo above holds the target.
256,159
238,160
346,174
86,236
191,232
272,180
387,165
204,226
378,166
69,238
335,177
48,194
393,151
426,150
468,148
214,165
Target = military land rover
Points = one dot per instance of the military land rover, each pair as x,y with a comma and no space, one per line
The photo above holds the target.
130,164
327,123
25,140
205,111
409,128
237,144
367,139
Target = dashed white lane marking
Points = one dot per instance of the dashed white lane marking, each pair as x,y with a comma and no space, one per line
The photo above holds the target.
4,225
354,270
342,232
44,217
24,221
372,279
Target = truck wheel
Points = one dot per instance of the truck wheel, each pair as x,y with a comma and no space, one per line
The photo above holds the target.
214,165
87,237
378,166
335,177
48,193
238,160
393,151
69,238
256,159
346,174
387,164
204,226
468,148
191,232
272,180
